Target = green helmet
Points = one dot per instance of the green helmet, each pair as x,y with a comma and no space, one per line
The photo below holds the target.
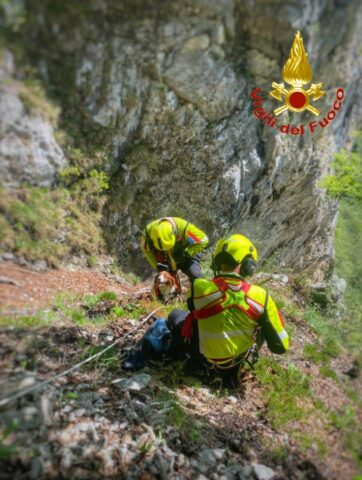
163,235
233,251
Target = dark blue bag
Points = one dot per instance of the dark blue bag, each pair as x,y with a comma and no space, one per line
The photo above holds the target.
157,339
154,344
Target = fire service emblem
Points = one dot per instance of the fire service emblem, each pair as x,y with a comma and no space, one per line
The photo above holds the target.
297,72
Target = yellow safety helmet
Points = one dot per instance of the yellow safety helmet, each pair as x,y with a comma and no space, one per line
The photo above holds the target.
163,236
236,250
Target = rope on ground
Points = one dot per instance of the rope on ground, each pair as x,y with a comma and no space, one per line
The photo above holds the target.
42,384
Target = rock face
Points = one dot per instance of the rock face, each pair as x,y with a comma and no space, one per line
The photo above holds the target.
167,85
29,153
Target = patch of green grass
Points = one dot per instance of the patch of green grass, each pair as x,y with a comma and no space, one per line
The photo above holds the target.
327,327
283,388
167,309
108,361
328,372
171,375
291,329
72,307
308,441
145,447
283,297
35,101
180,419
134,310
40,223
118,311
276,451
6,451
71,395
68,304
349,266
342,420
91,300
41,318
349,426
323,353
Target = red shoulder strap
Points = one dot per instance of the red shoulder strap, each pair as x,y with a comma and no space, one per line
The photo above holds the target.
221,284
245,287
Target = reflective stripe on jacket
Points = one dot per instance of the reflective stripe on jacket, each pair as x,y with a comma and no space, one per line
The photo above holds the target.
190,241
228,311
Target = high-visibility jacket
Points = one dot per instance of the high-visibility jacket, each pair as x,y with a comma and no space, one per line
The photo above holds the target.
190,241
228,311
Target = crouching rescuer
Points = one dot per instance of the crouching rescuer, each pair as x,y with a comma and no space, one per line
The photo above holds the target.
227,313
171,244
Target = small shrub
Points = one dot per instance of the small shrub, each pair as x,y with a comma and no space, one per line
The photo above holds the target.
347,178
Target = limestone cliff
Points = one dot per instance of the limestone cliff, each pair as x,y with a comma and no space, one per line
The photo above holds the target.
166,86
29,152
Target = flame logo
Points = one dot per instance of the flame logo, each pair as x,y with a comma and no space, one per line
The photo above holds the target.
297,70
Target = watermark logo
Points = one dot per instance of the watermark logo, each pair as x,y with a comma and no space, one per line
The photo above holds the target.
297,71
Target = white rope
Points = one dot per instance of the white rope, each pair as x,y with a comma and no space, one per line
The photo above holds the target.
25,391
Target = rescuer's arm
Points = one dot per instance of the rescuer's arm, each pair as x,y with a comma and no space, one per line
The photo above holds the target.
272,326
195,239
147,252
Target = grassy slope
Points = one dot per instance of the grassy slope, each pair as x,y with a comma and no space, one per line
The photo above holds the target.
291,405
349,266
305,401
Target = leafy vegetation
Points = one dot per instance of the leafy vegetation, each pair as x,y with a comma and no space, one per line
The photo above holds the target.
346,180
39,223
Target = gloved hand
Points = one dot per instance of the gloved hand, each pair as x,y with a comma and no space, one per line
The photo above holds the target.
162,267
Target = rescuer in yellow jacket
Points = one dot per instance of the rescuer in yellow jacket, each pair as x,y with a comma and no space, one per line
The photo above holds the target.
171,243
227,312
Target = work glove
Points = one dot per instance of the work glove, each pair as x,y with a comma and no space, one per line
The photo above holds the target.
162,267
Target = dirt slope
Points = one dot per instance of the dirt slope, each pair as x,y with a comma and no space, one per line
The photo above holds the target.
22,287
90,424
